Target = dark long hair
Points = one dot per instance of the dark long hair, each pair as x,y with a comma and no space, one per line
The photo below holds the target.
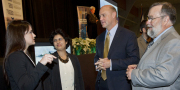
15,39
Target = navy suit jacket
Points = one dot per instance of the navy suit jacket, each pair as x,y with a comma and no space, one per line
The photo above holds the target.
123,51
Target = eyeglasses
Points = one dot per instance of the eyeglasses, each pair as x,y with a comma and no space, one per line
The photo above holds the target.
59,39
149,18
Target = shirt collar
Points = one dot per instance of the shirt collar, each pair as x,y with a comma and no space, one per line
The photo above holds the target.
144,38
161,34
113,30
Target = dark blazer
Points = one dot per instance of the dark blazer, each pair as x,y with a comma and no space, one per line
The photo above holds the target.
123,51
22,74
53,79
92,25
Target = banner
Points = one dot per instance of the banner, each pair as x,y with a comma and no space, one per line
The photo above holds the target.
82,13
12,10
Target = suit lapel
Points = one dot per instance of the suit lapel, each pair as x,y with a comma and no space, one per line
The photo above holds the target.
32,62
151,48
117,38
56,60
73,62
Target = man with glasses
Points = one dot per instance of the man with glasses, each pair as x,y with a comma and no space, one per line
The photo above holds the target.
159,67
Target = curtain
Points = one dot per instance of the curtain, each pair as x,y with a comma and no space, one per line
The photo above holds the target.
48,15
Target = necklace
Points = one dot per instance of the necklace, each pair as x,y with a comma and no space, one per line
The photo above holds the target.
64,61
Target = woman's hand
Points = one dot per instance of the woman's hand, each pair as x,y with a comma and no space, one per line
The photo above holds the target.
47,58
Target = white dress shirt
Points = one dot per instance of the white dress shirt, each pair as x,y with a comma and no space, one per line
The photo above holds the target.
111,35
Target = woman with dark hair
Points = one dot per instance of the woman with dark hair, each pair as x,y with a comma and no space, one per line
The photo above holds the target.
64,73
19,68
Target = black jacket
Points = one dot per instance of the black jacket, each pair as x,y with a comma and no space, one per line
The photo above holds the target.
22,74
53,80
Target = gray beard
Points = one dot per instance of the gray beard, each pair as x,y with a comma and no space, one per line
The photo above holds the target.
151,33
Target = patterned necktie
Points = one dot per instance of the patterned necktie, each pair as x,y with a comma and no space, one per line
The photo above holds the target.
149,45
105,54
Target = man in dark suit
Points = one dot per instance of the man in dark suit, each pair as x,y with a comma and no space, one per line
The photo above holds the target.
116,48
92,23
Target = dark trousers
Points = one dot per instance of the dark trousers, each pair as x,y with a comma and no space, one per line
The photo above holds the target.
103,84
